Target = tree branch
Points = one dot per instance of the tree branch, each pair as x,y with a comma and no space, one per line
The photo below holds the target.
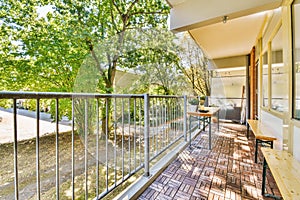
91,47
112,16
131,6
115,5
146,13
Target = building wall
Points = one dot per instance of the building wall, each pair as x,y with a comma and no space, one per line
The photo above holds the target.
276,126
124,80
296,139
227,92
228,83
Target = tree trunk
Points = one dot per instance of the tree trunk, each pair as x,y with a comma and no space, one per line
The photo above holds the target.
106,116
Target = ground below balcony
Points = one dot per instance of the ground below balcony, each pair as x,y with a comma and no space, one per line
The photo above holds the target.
226,172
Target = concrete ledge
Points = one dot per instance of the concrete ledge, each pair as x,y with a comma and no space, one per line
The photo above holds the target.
142,183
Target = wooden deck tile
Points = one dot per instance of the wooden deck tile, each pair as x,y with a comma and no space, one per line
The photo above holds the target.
226,172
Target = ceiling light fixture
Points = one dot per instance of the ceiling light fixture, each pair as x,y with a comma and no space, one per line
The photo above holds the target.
224,19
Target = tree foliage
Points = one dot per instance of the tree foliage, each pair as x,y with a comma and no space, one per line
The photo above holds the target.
194,65
156,62
46,51
38,49
65,46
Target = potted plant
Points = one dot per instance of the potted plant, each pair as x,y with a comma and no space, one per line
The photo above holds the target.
202,100
194,101
193,105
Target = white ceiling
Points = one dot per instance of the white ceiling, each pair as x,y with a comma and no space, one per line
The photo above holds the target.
203,20
175,2
233,38
189,14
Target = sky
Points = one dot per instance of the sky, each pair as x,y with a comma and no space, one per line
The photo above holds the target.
43,10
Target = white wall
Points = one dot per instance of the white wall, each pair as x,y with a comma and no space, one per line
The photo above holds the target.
296,149
276,125
229,83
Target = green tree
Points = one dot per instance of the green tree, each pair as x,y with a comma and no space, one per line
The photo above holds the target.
156,63
194,65
51,48
45,52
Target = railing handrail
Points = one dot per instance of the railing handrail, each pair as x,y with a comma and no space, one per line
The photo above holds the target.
53,95
212,97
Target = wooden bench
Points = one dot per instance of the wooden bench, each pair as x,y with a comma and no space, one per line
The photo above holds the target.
262,133
285,170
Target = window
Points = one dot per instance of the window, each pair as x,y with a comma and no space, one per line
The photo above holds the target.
265,75
296,58
279,75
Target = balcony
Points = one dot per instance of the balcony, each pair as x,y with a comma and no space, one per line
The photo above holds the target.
226,172
115,140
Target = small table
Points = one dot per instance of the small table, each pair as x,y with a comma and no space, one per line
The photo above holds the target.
211,112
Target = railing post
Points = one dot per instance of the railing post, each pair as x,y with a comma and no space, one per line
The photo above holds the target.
37,149
185,117
16,172
146,134
57,148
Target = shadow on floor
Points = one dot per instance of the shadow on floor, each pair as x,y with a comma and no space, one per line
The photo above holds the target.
226,172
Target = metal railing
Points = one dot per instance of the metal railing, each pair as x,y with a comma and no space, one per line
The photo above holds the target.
111,138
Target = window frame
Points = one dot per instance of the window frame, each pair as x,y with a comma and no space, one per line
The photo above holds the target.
268,49
272,75
294,67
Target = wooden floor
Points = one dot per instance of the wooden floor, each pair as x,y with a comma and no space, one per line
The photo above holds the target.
226,172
